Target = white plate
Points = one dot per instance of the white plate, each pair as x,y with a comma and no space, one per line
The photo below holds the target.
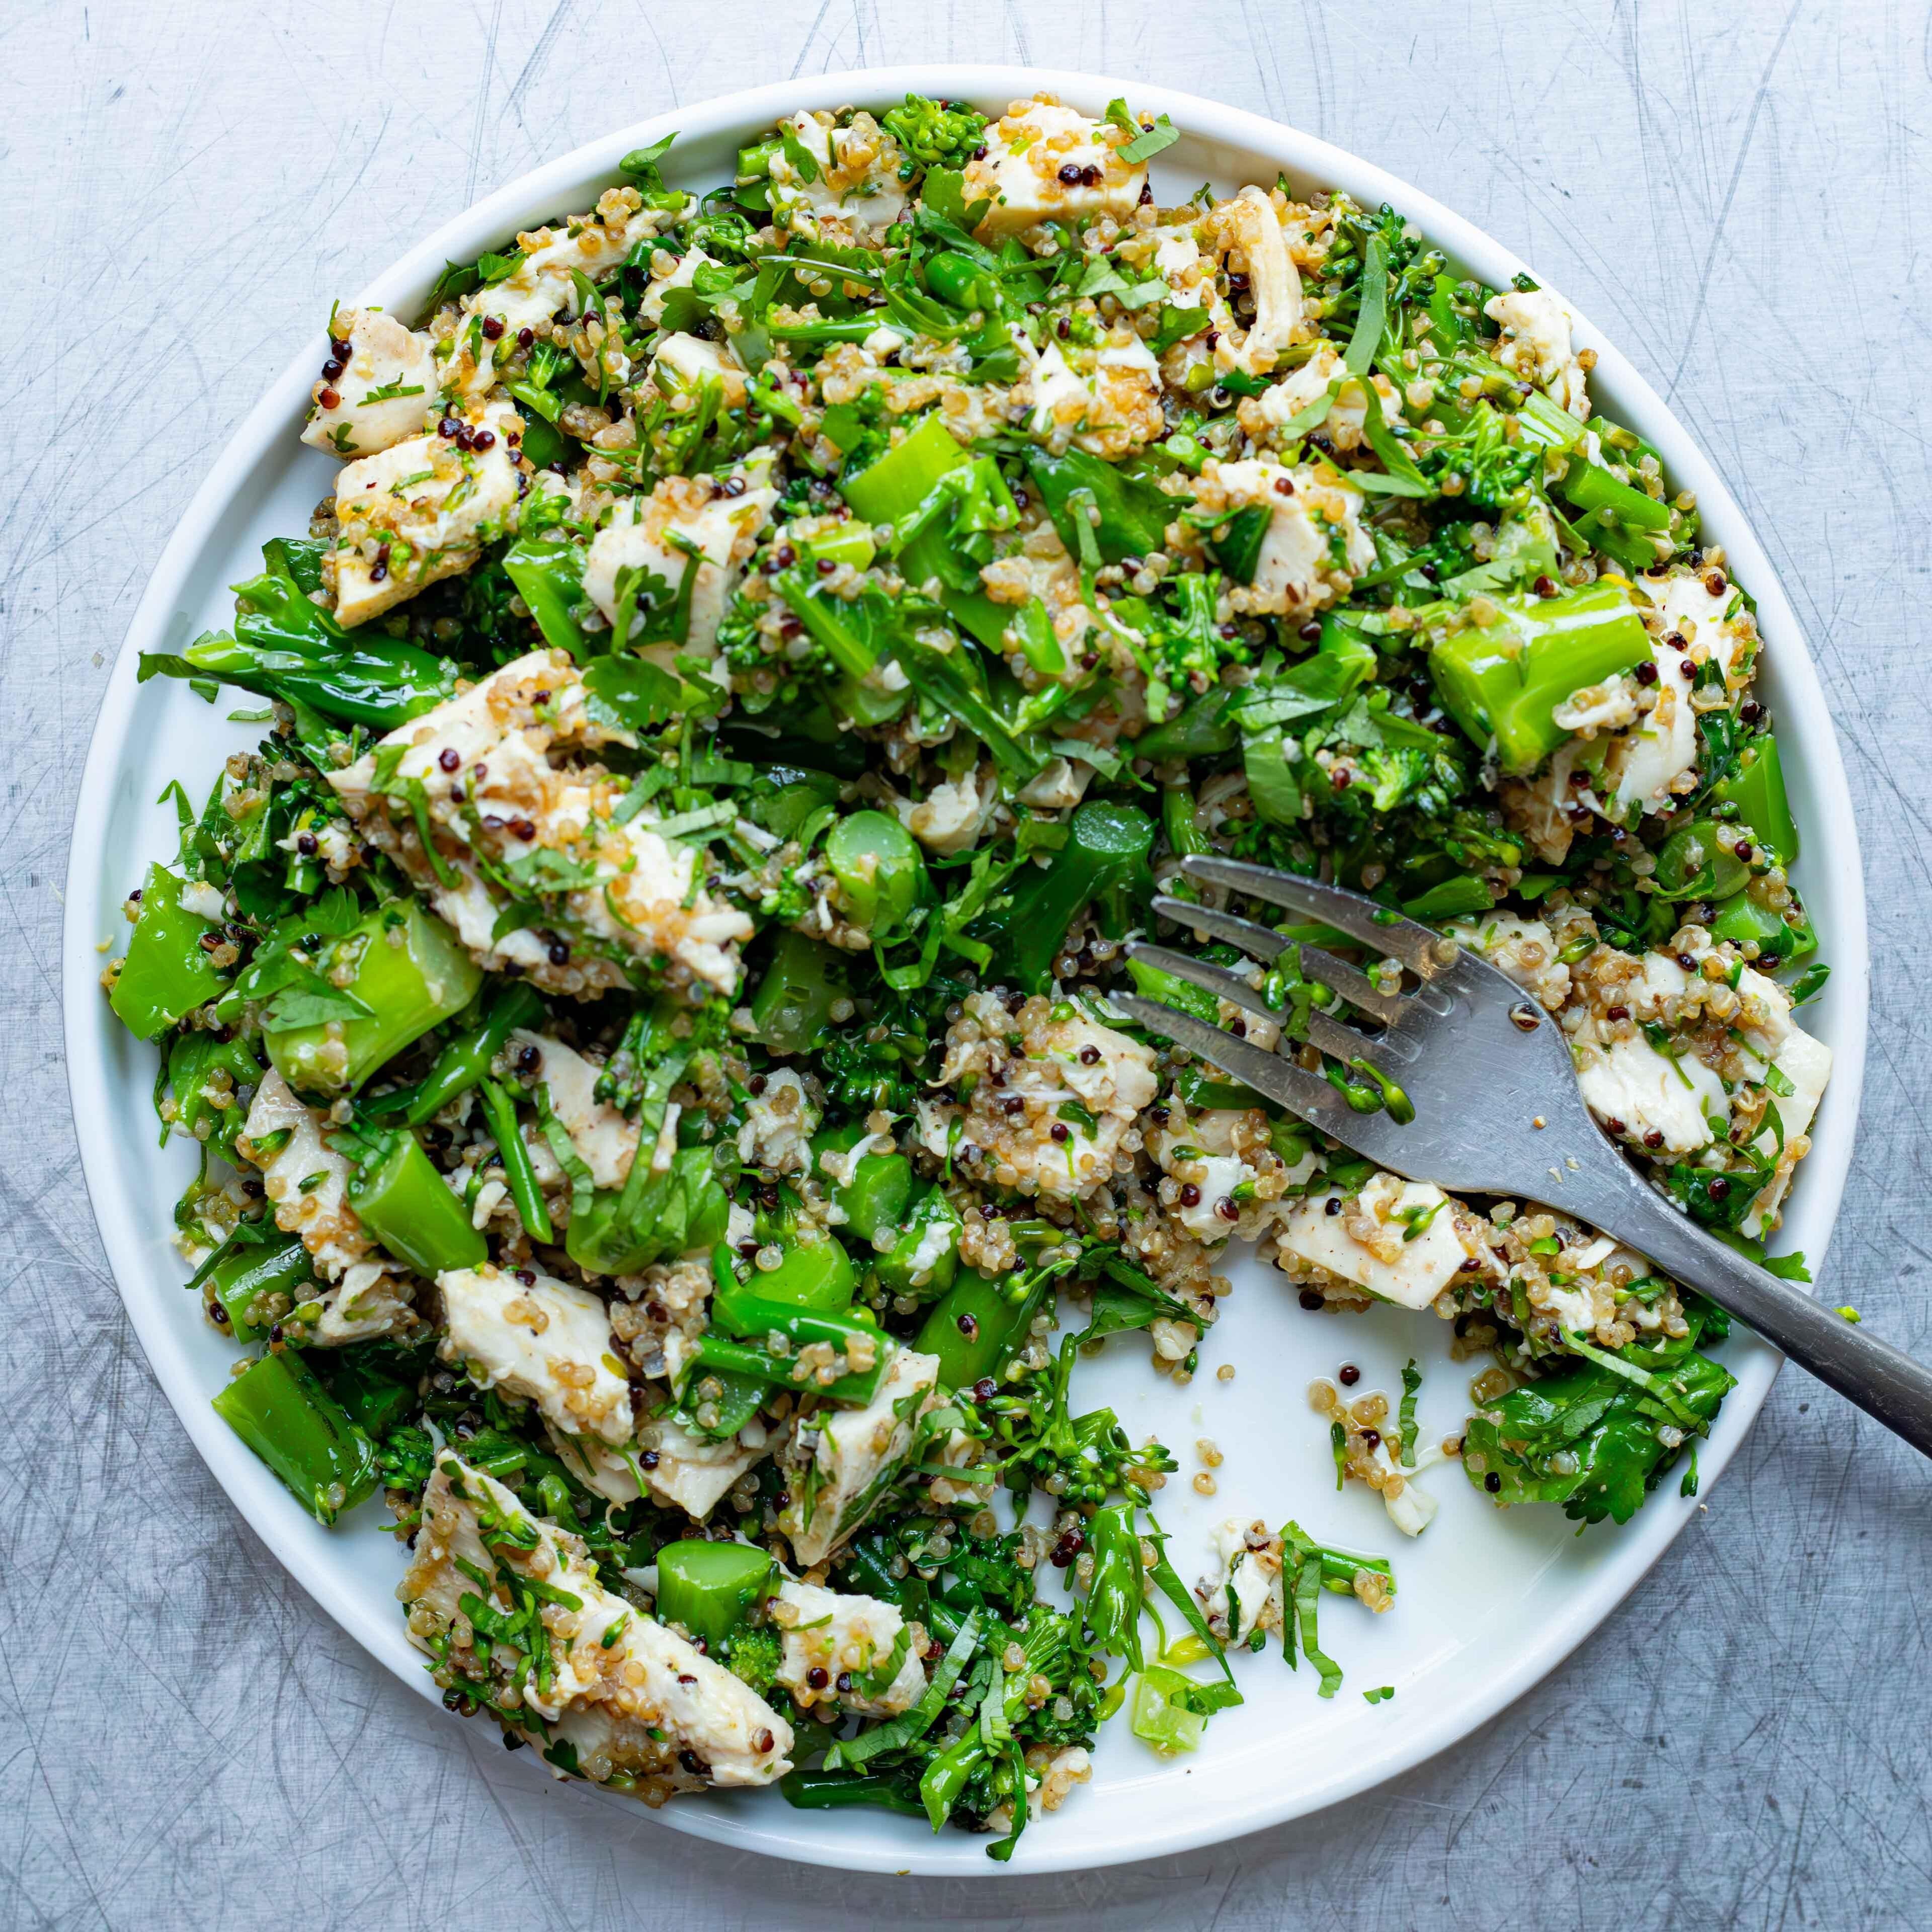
1490,1601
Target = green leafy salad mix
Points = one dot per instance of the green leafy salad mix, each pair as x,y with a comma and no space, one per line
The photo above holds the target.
645,1007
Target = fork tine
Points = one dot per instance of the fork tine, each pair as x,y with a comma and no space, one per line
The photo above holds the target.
1337,975
1303,1092
1346,1044
1352,983
1251,938
1364,919
1222,981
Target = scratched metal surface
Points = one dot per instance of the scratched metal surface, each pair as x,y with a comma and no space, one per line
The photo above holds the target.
1729,187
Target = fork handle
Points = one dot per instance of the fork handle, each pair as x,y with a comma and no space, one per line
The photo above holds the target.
1887,1384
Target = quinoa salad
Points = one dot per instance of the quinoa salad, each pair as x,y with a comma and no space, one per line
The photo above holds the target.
647,1008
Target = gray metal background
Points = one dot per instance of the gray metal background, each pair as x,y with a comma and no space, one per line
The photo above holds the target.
1728,187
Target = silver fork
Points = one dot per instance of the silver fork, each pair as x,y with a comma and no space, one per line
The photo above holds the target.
1497,1109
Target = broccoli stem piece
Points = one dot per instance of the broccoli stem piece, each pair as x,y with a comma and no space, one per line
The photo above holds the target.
710,1588
520,1173
466,1060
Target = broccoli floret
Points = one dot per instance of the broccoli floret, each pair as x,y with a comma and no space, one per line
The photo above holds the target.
405,1458
933,133
1184,636
753,1658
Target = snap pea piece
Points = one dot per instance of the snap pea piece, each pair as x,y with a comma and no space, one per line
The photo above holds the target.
410,985
792,1008
896,1267
282,1412
241,1277
375,1403
898,485
818,1275
1741,917
1693,863
1756,788
520,1173
874,1198
745,1312
795,796
1590,487
973,1329
880,869
710,1588
165,973
956,279
1104,859
718,1355
825,1790
465,1060
401,1199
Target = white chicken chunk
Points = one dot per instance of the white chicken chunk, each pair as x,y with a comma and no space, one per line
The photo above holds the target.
630,893
1243,1584
1348,411
953,814
851,173
420,510
853,1457
606,1140
1525,948
541,1339
624,1694
681,1469
1647,769
682,365
1631,1087
858,1643
1806,1063
1046,162
1254,228
1053,1125
388,385
306,1181
1536,347
1315,544
652,307
710,522
1397,1240
545,284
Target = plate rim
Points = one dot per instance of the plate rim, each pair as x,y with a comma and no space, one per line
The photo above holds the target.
301,1547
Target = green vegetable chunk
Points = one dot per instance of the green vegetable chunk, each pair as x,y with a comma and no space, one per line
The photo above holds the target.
710,1588
1501,681
928,1245
466,1060
1104,860
403,1201
1756,788
403,986
243,1272
282,1411
817,1275
972,1329
792,1009
165,973
881,871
